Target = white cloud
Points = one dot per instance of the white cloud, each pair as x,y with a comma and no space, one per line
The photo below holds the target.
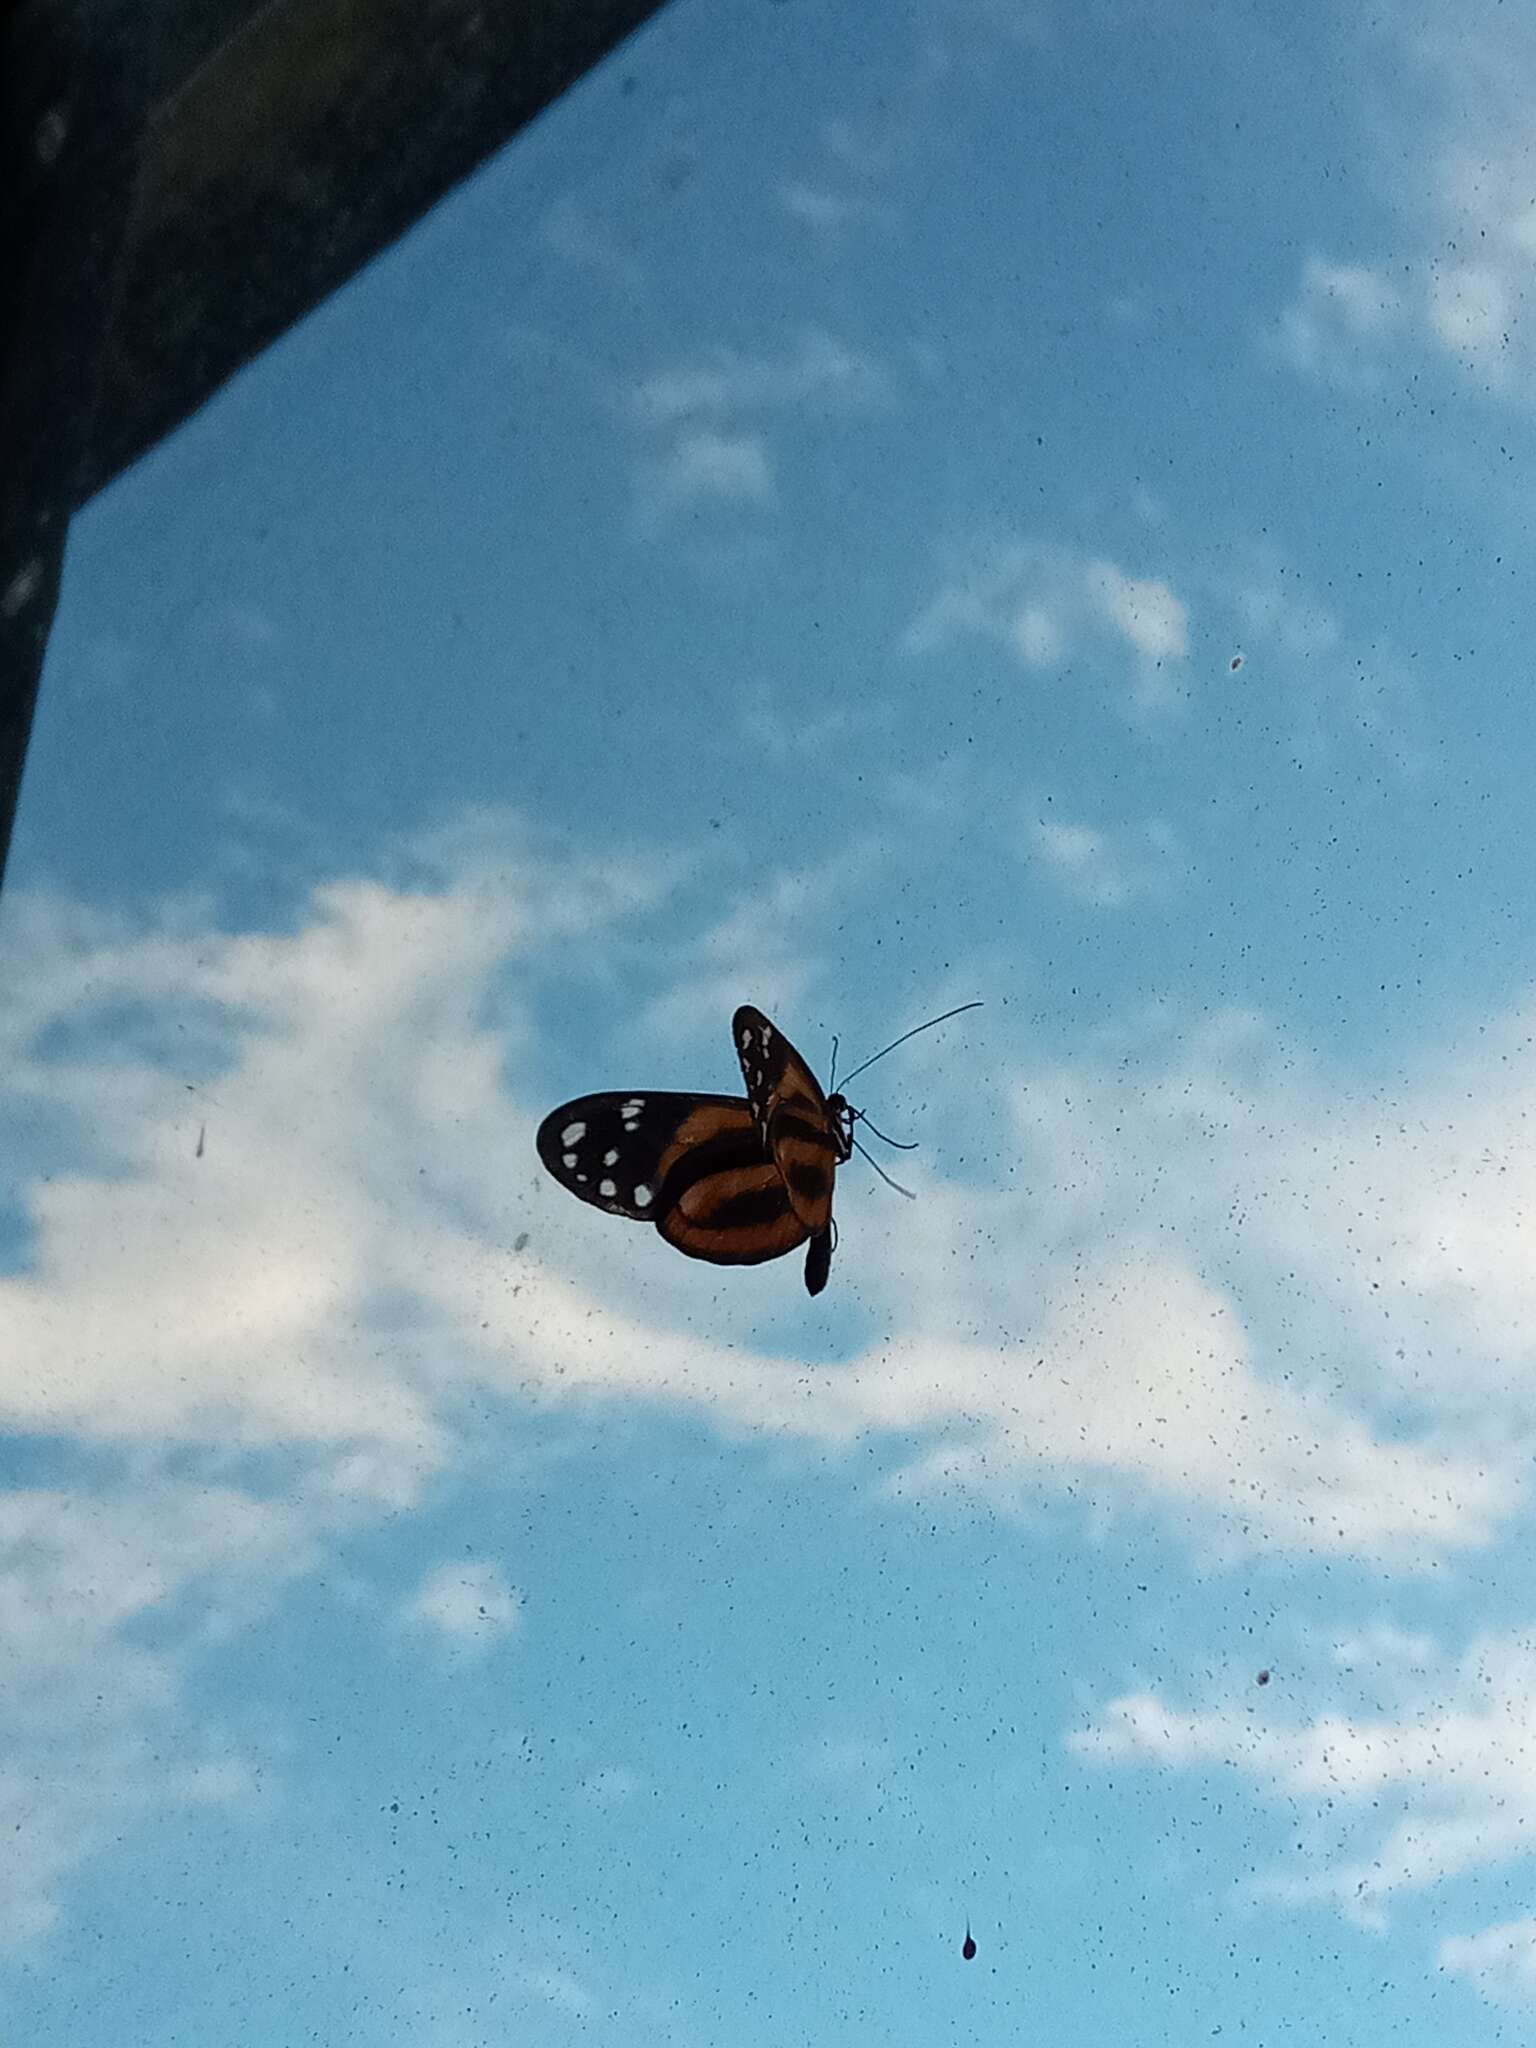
231,1299
830,213
1458,162
235,1302
571,231
1478,178
468,1602
1274,610
790,728
250,623
1107,870
1471,310
763,950
818,207
562,1990
1385,1648
1031,24
1390,1804
705,420
236,1298
1136,1376
1039,636
851,1756
1143,610
1342,315
1333,690
725,466
612,1786
1500,1961
1047,605
93,1732
1060,611
1082,859
721,382
1133,1376
1393,1225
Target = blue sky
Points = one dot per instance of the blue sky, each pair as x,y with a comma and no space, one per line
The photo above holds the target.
852,512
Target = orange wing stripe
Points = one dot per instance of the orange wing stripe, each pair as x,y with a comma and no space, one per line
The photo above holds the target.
737,1217
806,1154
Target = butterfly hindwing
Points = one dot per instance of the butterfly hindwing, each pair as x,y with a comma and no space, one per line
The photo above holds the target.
724,1200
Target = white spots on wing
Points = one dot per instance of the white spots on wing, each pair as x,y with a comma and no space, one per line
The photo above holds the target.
607,1189
568,1160
573,1134
611,1158
582,1178
746,1036
630,1110
642,1197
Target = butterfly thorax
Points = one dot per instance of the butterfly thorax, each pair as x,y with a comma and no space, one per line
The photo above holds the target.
843,1117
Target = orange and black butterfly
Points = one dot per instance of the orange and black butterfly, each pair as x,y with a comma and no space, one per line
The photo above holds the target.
731,1179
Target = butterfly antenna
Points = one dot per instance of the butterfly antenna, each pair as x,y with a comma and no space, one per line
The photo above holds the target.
875,1131
832,1084
896,1184
910,1034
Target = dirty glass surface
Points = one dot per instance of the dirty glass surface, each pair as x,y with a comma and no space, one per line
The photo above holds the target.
858,509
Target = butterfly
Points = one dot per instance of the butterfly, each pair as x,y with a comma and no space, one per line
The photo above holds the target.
732,1179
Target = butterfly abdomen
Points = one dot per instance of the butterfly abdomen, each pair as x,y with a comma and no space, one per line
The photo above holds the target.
818,1261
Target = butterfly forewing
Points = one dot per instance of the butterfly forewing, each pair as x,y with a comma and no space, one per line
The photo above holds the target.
614,1150
798,1126
694,1165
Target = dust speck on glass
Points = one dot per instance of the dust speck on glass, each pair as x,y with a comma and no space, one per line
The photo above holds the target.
854,511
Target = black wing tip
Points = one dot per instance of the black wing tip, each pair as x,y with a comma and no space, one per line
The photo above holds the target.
547,1139
546,1136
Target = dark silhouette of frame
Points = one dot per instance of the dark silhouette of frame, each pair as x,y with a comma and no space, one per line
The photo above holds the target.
182,180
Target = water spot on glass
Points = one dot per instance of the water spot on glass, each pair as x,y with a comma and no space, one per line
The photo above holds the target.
48,137
22,588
